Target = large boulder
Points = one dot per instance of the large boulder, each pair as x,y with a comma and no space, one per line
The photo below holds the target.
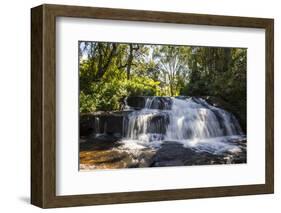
152,102
86,124
110,123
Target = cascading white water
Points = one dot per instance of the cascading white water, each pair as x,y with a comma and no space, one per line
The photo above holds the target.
199,120
139,126
191,121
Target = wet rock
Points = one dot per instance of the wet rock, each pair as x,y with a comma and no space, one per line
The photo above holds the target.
110,123
136,102
86,124
174,154
154,102
158,124
142,158
103,142
105,152
169,163
102,154
171,153
101,136
162,103
106,159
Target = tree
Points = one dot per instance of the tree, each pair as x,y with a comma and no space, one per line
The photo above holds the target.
172,63
110,71
98,55
132,50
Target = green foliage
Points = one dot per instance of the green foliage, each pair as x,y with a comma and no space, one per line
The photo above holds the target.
107,96
102,96
110,71
219,72
142,86
87,102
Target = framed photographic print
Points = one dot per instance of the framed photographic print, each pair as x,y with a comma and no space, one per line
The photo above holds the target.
136,106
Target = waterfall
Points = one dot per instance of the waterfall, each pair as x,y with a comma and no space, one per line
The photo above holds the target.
185,120
196,119
97,126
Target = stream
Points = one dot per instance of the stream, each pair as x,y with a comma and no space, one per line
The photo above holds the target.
165,131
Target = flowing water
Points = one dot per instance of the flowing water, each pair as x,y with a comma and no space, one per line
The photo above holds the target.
192,122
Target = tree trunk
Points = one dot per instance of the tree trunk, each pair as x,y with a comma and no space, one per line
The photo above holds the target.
102,67
227,59
130,60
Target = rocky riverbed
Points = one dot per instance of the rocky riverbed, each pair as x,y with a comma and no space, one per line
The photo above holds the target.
109,153
161,131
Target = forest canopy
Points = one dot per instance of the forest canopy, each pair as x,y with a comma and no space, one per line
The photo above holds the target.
109,72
